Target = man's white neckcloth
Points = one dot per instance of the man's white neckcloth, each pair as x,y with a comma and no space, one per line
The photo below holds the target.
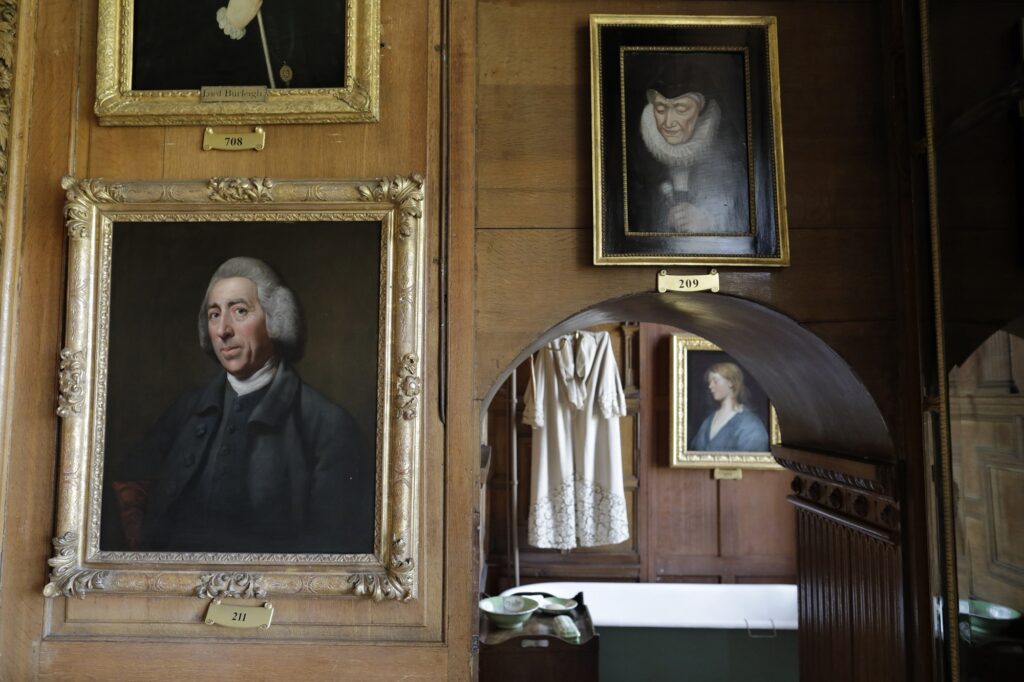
260,378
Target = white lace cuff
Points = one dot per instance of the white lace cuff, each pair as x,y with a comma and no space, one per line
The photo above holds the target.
229,29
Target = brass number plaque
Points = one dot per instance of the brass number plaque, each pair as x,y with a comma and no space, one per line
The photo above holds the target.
667,282
235,616
233,142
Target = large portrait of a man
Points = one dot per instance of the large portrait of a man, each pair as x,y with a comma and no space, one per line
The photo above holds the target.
241,385
252,61
257,459
688,141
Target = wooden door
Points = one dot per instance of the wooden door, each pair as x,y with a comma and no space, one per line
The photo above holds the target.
987,438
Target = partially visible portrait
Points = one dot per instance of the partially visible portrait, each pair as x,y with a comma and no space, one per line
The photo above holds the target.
253,61
720,415
688,147
241,383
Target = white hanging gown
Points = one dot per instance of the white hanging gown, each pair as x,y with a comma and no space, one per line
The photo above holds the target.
574,403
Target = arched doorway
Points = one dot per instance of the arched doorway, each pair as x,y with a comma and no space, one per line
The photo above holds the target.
836,442
986,413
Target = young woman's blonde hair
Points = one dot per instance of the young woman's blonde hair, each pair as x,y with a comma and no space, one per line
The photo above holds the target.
732,373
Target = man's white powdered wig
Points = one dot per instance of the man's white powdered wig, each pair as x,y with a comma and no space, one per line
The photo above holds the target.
284,319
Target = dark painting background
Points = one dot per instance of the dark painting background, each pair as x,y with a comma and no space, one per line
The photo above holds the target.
159,276
180,45
722,79
699,403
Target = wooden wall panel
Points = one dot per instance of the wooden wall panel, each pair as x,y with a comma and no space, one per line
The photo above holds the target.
397,145
686,513
81,661
119,636
755,518
850,569
32,324
850,604
463,435
976,54
536,174
520,162
534,245
537,278
534,237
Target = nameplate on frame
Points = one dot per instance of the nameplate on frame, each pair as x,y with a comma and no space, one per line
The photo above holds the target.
234,142
667,282
236,616
721,474
232,93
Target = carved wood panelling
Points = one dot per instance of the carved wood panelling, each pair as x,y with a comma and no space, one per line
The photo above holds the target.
851,610
865,512
850,574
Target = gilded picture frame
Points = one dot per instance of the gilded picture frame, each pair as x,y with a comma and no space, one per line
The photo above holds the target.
692,408
152,71
687,141
140,254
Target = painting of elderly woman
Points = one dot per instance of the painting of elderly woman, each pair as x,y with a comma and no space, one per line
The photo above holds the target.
686,153
687,146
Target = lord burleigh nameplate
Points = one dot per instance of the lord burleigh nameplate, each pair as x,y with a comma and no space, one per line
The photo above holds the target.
232,93
236,616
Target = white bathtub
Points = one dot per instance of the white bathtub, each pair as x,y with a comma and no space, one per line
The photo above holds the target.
681,605
715,633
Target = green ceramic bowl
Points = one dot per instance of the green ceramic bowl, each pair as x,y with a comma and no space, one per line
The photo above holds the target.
987,617
509,612
554,605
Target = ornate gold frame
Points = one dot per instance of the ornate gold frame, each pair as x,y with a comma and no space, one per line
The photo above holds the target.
681,456
602,255
118,104
92,208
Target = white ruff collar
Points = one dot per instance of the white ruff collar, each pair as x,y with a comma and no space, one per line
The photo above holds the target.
260,378
685,153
